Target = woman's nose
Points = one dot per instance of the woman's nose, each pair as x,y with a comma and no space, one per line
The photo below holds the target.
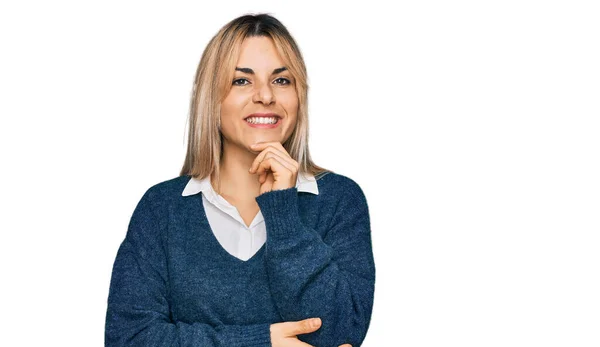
264,94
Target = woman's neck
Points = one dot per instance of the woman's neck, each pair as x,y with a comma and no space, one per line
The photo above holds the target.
235,180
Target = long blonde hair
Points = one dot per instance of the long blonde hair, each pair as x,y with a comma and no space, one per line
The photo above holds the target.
213,82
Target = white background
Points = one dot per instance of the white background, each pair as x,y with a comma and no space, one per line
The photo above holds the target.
472,127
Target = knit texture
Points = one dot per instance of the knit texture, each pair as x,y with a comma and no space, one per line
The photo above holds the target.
173,284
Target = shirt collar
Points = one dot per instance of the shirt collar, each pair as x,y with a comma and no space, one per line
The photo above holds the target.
305,182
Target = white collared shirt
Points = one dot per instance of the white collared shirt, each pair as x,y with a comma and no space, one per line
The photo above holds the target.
226,222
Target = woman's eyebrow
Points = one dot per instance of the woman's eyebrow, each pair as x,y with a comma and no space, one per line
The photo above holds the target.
251,72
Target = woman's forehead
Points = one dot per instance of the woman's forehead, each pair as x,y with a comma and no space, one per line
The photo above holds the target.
259,54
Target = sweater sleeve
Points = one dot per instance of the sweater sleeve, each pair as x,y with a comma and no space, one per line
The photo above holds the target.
331,277
138,312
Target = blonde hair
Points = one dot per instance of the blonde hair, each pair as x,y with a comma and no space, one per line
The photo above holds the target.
213,82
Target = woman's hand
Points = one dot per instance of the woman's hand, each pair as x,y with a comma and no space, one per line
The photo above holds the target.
276,168
284,334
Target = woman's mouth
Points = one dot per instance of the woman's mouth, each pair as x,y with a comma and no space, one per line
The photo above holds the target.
263,122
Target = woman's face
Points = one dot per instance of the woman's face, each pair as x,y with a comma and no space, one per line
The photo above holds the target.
261,87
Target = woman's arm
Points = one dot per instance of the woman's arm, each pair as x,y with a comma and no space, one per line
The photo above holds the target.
138,311
331,277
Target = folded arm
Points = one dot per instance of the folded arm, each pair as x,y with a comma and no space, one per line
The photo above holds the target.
331,277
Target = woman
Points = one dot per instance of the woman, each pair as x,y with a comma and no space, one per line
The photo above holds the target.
249,251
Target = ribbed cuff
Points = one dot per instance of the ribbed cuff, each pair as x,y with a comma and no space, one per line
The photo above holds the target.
280,211
256,335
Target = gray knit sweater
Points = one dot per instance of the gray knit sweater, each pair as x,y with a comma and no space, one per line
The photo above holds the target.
173,284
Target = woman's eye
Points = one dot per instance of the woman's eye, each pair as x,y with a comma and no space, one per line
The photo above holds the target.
283,79
239,79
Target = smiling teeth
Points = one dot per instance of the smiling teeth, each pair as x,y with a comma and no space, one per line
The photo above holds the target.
262,120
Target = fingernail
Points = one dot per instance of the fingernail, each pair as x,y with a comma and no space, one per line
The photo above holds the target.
316,322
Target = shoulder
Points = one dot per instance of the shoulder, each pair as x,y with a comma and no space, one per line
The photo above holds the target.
150,216
167,191
338,185
341,193
344,201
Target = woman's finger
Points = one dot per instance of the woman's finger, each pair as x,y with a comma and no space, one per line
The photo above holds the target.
283,176
267,186
260,168
278,150
305,326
